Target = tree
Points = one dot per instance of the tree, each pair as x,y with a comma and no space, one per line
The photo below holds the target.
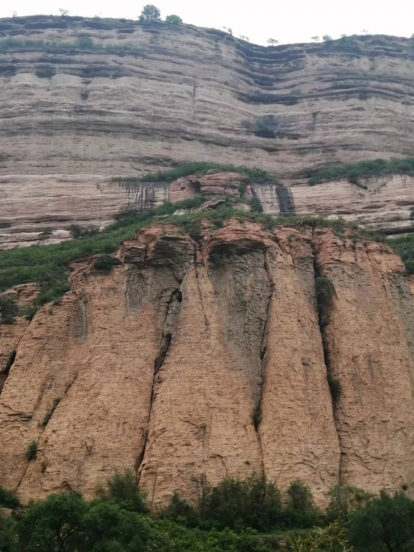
173,20
327,38
228,31
53,525
384,524
64,13
272,42
123,489
245,38
150,13
345,499
8,533
300,496
315,38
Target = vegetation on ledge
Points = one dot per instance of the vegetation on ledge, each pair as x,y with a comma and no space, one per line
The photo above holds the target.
259,176
47,265
404,246
357,172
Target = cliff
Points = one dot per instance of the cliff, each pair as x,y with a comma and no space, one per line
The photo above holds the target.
82,100
202,357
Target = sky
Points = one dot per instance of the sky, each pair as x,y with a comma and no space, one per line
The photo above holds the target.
287,21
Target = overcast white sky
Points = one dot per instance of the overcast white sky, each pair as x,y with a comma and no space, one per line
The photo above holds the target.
284,20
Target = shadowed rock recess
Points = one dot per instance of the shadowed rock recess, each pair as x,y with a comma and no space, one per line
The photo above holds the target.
201,358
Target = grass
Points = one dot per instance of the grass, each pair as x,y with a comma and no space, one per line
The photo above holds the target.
199,168
47,265
404,246
355,172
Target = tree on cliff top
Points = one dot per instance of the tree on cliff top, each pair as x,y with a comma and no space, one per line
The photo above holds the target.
173,20
150,13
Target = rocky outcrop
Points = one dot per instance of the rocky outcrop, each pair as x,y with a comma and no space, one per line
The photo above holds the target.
153,96
196,360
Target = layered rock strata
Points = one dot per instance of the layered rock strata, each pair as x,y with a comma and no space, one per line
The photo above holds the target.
193,361
148,97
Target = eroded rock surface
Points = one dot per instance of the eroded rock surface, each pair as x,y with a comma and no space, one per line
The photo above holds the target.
196,360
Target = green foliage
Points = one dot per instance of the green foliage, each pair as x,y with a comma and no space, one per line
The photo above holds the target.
8,533
235,504
300,497
257,416
327,38
404,246
355,172
49,413
344,500
150,13
386,523
8,310
31,451
106,263
199,169
325,293
8,499
330,538
123,489
173,20
53,525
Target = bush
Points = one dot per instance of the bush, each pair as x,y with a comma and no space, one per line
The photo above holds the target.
325,292
106,263
31,451
385,523
123,489
300,497
150,13
8,499
345,499
355,172
334,388
8,310
8,533
331,538
173,20
235,504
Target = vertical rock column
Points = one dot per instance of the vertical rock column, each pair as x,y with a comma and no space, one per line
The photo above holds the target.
297,429
365,337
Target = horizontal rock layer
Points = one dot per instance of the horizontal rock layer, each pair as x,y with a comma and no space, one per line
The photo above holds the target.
73,118
196,360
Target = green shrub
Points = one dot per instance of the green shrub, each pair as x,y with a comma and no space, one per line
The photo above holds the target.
265,126
8,310
344,500
331,538
257,416
106,263
325,292
235,504
173,20
199,169
123,489
385,523
150,13
8,499
300,497
84,41
31,451
8,533
355,172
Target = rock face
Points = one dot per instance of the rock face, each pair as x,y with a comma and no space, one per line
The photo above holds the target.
196,360
153,96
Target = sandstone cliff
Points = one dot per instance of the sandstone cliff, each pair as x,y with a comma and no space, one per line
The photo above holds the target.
206,357
152,96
